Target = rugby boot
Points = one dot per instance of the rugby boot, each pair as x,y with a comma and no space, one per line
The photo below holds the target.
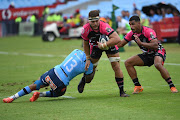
137,89
81,85
174,90
34,97
8,100
123,94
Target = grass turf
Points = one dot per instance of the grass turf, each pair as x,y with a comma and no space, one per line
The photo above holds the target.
23,59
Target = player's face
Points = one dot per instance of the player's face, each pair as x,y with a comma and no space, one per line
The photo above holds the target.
94,24
135,26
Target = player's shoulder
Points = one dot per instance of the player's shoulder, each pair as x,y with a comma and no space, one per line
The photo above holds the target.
149,32
86,26
105,28
147,29
77,50
103,24
130,33
85,30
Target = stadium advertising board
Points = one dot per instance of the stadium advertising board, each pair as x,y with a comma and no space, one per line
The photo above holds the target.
11,14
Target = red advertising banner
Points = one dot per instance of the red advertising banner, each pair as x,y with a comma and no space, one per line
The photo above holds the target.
10,14
168,28
0,30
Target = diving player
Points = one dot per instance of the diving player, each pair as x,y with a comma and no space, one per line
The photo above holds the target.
57,78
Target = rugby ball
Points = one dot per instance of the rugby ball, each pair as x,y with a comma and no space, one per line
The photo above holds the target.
104,39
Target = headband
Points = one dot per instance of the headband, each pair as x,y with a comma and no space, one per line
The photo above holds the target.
93,18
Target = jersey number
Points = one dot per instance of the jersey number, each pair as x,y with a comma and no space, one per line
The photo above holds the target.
72,63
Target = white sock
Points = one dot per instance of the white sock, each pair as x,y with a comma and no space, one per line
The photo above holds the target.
42,94
15,96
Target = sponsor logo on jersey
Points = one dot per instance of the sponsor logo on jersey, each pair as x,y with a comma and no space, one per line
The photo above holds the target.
50,82
108,29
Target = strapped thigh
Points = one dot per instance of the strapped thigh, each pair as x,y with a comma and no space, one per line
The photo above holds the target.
114,59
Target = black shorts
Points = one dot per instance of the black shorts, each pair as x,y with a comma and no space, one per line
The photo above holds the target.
148,59
96,52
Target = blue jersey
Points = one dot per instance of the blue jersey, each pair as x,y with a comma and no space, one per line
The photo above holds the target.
73,65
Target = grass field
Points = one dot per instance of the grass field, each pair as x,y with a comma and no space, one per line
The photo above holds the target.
23,59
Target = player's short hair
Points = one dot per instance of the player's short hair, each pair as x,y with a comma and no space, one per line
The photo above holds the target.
94,15
135,17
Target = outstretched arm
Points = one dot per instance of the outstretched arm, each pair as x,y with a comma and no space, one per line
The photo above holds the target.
87,52
152,45
113,40
122,43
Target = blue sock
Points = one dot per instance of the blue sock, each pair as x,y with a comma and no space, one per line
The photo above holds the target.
24,91
48,94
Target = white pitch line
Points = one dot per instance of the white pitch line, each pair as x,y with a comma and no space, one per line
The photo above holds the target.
50,55
70,97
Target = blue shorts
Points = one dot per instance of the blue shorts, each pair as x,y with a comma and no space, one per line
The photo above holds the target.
50,79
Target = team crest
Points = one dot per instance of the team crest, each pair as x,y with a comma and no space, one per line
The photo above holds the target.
108,29
151,35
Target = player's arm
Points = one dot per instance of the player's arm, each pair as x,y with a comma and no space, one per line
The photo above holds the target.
122,43
87,52
113,39
152,45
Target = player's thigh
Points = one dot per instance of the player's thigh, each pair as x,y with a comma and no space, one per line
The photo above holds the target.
113,55
114,59
94,60
134,61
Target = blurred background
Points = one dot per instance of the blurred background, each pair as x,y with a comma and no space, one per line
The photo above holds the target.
65,18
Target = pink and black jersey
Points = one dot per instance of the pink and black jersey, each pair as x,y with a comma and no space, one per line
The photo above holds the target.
146,35
92,36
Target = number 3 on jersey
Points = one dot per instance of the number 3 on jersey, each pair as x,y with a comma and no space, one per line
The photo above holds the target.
70,64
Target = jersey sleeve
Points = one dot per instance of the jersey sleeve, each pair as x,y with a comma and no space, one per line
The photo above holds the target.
84,33
150,34
105,28
128,36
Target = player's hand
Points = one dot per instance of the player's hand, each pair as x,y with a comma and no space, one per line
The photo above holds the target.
87,65
102,46
137,40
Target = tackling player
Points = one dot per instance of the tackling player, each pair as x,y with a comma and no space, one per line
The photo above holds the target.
57,78
153,53
93,49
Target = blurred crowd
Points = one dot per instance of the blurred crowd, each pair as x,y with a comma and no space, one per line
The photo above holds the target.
122,21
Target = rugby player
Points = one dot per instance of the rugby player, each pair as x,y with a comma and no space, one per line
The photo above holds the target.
93,49
153,53
57,78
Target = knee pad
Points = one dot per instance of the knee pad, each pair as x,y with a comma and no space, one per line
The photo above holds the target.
96,64
38,84
114,59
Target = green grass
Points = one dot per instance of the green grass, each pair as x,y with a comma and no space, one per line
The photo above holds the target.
100,99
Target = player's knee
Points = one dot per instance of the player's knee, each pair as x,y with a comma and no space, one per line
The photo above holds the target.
95,64
158,65
38,84
90,77
114,59
59,92
127,63
33,87
115,66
